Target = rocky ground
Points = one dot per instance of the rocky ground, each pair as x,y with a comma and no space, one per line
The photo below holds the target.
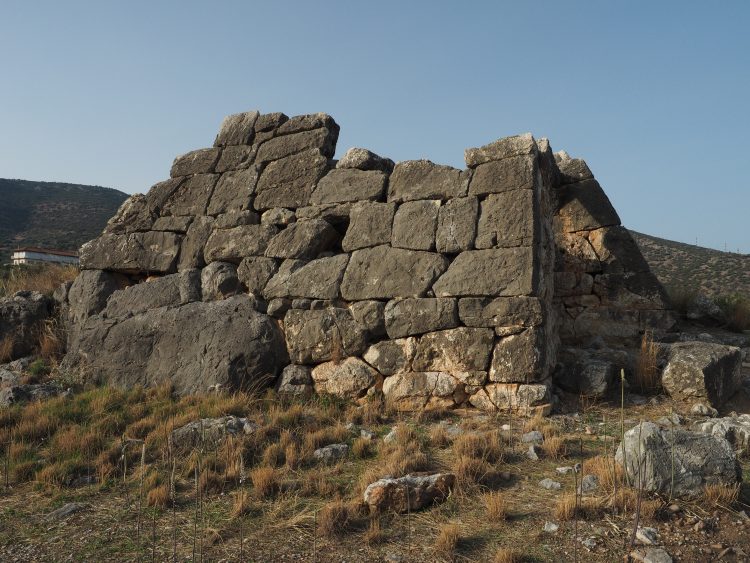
298,503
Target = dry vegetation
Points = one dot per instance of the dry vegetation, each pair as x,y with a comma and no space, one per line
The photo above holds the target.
264,493
43,278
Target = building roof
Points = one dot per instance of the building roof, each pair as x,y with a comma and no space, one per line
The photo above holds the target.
53,251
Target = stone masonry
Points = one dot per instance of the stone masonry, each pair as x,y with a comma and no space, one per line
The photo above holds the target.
262,260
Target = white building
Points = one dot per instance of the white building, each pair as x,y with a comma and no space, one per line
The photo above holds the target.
33,255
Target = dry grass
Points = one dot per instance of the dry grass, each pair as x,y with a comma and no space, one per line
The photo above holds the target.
265,481
158,496
588,508
241,505
721,495
44,279
362,448
486,446
506,555
554,447
274,455
471,471
324,437
647,370
447,540
495,506
439,436
6,349
374,534
606,470
337,518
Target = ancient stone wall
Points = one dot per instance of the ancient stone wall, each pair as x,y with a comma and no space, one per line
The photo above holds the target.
262,259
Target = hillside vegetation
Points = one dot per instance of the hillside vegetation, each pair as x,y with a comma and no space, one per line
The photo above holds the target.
53,214
687,266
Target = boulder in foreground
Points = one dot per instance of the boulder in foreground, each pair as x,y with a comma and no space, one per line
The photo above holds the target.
408,493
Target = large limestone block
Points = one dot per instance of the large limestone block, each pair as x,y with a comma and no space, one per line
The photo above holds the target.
303,240
232,245
617,251
501,149
307,122
255,271
194,243
518,172
422,179
572,170
135,214
521,398
172,224
413,391
385,273
268,124
347,184
234,191
232,219
370,225
414,225
236,157
349,379
370,315
407,317
491,272
154,252
21,319
192,197
363,159
703,370
201,161
195,346
219,280
160,193
237,129
500,312
392,356
89,293
317,279
320,335
675,461
585,206
522,358
455,350
457,225
509,219
322,139
158,292
289,182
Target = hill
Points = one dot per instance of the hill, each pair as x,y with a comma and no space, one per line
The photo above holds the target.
690,267
53,214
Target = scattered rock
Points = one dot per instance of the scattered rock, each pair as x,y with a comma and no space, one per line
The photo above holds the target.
700,409
534,436
550,527
66,510
735,429
564,470
210,431
550,485
534,452
412,492
17,394
651,555
589,484
647,536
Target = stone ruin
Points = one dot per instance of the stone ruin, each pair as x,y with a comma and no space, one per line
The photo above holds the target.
262,260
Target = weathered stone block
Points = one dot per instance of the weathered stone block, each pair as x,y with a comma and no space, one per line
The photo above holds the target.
303,240
318,336
521,358
370,225
572,170
392,356
255,271
413,391
191,253
232,219
509,219
363,159
521,398
232,245
219,281
308,122
172,224
201,161
385,273
278,216
501,272
407,317
162,291
422,179
237,129
501,149
134,215
501,311
154,251
414,225
322,139
585,206
318,279
290,181
370,315
349,379
159,193
347,184
455,350
234,191
518,172
191,197
236,157
457,225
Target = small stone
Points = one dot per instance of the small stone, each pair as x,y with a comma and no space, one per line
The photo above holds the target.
564,470
651,555
674,508
647,536
66,510
589,543
589,484
532,437
367,434
550,527
550,485
533,452
332,453
391,436
700,409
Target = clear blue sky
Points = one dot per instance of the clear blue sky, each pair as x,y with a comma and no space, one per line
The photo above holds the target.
654,95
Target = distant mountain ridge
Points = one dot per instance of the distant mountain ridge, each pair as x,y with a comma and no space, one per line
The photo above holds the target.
689,267
53,214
